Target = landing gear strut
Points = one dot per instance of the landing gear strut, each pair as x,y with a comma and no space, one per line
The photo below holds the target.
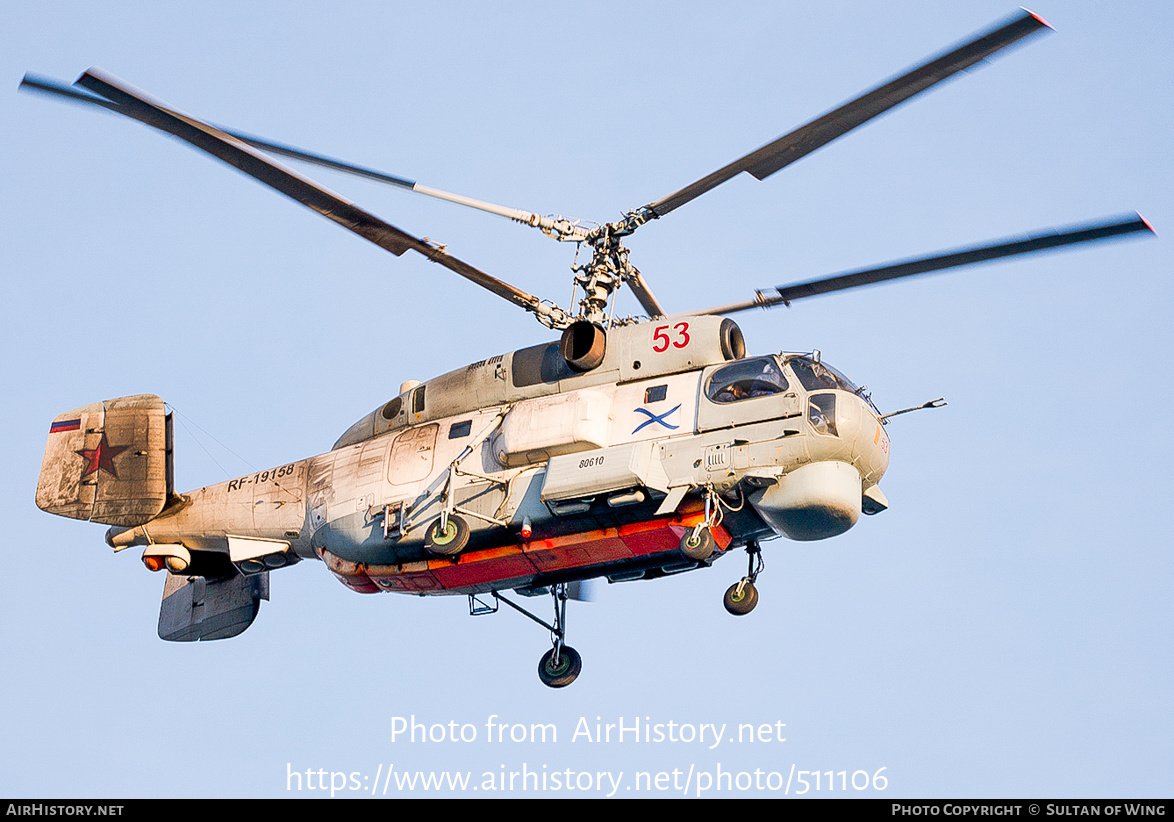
697,543
742,596
561,664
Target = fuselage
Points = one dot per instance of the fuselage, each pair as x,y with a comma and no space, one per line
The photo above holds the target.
558,474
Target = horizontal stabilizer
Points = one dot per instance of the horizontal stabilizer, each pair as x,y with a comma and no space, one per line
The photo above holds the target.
195,608
108,462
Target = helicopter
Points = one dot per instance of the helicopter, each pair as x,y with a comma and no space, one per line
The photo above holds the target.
630,448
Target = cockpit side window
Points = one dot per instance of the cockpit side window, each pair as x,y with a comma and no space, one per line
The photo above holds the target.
746,379
821,413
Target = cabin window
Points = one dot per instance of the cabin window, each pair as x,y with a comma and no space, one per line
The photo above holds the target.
460,429
746,379
656,393
418,399
392,409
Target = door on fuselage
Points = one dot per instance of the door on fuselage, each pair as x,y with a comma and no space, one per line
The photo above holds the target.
412,455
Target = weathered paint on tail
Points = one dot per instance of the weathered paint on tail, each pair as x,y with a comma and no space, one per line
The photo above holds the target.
108,462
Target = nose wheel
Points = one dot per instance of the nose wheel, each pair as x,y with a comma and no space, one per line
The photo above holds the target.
742,596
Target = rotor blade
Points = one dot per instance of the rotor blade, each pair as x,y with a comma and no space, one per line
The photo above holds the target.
47,85
560,228
231,150
1043,241
643,294
776,155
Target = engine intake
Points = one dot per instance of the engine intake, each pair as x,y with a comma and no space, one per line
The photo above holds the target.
582,345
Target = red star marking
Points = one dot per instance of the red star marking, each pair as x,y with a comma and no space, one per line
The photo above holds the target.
101,458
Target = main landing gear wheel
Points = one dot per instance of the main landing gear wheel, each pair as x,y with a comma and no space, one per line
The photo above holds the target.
741,597
697,545
447,542
560,673
560,665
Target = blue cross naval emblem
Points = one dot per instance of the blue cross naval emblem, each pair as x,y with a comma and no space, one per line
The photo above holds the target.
654,418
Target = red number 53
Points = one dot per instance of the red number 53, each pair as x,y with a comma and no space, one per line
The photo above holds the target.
661,339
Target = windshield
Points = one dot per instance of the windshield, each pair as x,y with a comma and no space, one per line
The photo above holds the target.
818,376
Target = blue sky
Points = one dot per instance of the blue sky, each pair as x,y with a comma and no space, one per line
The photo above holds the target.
1003,630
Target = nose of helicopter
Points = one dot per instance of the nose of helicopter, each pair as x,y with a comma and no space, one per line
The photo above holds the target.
849,452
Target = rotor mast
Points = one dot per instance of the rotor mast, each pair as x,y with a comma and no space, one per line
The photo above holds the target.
608,269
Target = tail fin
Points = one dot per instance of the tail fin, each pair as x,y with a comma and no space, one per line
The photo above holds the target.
109,462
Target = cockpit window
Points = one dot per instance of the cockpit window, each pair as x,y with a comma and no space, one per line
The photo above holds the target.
746,379
817,376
